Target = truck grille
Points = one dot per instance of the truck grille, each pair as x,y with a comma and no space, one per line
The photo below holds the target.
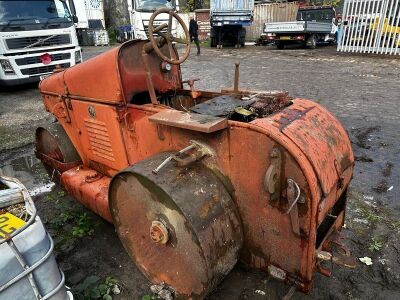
21,43
146,28
42,70
36,59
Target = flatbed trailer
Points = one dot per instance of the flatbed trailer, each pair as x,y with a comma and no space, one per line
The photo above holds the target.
313,25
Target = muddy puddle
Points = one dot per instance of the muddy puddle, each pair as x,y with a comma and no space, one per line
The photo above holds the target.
30,171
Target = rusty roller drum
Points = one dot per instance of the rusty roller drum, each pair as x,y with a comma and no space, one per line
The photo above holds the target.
180,227
51,141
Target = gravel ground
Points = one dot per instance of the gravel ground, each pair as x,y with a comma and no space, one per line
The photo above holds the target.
362,91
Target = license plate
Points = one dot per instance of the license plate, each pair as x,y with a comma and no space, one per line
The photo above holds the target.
285,38
41,77
9,224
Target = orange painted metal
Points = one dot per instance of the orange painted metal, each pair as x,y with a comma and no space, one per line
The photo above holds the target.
90,188
112,131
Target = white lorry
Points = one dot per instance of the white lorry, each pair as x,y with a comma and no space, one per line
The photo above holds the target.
313,25
91,22
140,12
35,37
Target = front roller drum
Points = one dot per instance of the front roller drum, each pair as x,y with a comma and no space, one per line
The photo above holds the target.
55,150
180,227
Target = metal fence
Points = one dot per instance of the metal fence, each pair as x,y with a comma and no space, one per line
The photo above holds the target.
370,26
264,13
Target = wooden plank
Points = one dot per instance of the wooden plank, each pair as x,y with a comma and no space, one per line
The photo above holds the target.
190,121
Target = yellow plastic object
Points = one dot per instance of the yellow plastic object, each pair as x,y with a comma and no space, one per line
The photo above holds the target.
8,224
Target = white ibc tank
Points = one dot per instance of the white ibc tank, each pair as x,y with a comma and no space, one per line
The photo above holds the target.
28,269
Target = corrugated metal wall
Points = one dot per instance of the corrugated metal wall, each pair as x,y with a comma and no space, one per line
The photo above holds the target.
276,12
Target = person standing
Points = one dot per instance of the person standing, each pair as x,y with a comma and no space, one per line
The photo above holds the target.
193,32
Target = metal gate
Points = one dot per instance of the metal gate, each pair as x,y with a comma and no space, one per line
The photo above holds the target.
370,26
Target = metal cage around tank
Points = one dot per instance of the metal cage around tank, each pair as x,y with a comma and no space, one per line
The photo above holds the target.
28,269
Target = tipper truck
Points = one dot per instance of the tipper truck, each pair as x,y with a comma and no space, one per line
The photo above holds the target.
228,21
313,25
35,37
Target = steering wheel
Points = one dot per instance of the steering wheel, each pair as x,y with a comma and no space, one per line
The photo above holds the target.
168,37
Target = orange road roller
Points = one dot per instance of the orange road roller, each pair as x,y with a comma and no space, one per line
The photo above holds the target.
195,181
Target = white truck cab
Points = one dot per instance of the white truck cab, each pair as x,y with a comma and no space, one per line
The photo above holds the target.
140,12
35,37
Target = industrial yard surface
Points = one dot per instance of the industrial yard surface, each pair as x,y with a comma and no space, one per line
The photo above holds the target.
361,91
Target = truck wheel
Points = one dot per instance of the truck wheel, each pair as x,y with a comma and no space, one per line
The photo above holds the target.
312,42
280,45
242,37
180,226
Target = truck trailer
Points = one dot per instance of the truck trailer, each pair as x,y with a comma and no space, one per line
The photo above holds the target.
36,36
228,21
313,25
91,22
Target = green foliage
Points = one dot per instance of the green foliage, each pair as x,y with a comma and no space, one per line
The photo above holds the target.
370,215
148,297
112,35
69,222
84,226
395,225
191,5
376,244
93,288
333,3
64,215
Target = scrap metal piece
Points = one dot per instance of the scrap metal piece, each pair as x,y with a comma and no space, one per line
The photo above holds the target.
221,106
338,259
201,151
171,157
195,122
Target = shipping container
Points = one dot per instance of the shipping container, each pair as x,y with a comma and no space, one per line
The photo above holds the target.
266,13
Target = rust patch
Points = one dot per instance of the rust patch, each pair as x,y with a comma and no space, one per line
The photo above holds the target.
206,207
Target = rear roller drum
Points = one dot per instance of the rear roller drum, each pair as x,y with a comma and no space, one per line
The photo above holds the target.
180,227
55,150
